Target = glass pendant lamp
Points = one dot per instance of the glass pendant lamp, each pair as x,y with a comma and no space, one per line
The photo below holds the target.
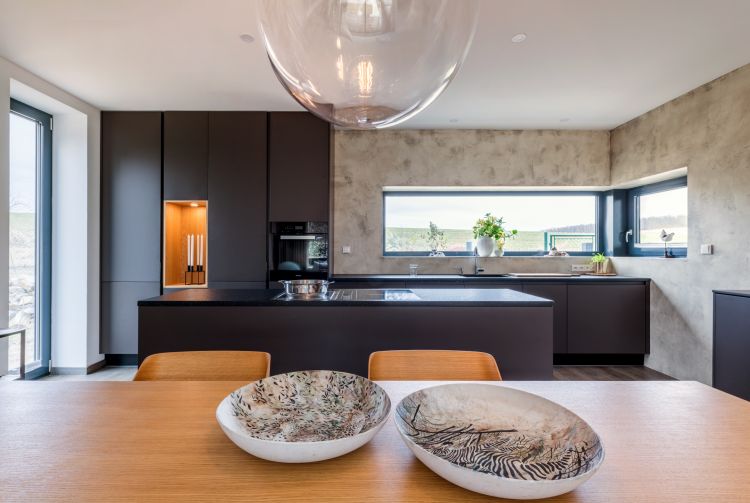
366,64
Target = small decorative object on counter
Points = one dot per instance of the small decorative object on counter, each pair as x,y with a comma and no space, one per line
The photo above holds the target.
666,238
413,270
554,252
195,274
490,233
601,263
436,240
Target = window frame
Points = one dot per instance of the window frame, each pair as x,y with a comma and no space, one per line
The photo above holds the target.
43,294
633,246
598,220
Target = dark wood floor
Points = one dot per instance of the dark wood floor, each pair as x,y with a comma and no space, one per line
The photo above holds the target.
620,373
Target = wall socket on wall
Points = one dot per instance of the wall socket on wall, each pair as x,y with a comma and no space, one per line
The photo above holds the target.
581,268
346,249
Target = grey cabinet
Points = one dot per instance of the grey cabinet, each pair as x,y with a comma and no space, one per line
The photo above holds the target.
130,196
119,314
299,147
608,318
185,155
732,343
130,223
559,294
237,181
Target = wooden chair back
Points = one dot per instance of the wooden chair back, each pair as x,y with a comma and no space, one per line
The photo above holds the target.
205,366
432,365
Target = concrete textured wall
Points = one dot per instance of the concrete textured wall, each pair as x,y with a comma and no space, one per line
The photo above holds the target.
367,161
707,130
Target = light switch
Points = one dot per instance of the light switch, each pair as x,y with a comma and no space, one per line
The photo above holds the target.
346,249
707,249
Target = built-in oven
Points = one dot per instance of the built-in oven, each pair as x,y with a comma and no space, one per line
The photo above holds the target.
298,250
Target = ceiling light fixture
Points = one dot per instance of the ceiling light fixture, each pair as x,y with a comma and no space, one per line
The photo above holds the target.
453,121
518,38
366,64
247,38
565,119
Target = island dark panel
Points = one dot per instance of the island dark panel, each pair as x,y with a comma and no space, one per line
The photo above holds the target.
342,337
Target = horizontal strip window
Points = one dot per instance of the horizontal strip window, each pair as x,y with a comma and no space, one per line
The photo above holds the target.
442,223
658,219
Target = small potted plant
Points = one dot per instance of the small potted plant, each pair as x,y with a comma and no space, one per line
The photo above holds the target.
600,263
436,240
489,232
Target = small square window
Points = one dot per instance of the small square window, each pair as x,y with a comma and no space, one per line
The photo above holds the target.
659,217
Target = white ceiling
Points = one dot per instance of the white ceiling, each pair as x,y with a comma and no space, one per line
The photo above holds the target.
597,63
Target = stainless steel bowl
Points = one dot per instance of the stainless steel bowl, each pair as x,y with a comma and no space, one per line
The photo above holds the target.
300,287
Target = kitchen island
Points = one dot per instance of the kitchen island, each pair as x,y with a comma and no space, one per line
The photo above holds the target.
340,331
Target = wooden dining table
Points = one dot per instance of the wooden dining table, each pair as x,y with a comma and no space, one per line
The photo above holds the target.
670,441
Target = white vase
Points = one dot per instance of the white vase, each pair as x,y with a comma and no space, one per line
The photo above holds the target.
485,246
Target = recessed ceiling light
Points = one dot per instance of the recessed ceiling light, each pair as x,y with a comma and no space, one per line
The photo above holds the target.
246,37
518,38
565,119
452,121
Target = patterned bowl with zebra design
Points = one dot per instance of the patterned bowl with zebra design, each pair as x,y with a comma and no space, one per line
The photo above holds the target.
307,416
499,441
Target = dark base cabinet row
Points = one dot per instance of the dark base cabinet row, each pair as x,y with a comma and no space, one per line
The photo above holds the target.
589,319
731,358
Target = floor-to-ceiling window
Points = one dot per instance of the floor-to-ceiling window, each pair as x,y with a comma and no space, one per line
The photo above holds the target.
30,234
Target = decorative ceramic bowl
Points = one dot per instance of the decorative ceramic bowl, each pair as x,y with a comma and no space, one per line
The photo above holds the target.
302,417
499,441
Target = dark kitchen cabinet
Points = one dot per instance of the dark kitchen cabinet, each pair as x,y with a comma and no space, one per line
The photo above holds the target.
119,314
130,223
732,343
185,156
237,229
608,318
299,147
559,294
130,196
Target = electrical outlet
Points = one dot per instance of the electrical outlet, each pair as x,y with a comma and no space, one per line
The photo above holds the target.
707,249
581,268
346,249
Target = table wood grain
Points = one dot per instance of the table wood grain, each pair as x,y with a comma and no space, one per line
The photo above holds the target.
159,441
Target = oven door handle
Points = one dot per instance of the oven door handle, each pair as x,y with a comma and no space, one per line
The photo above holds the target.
296,237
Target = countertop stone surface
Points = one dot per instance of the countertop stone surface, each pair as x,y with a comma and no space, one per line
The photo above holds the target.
445,297
343,278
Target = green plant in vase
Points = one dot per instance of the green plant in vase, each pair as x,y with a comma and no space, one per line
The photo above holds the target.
600,262
490,231
436,240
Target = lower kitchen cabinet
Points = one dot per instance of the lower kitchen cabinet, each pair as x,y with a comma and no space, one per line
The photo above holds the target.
608,318
559,294
732,343
119,314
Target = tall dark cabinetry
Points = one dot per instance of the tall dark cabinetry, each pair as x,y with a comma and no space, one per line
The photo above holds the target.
298,161
237,186
732,342
185,155
130,223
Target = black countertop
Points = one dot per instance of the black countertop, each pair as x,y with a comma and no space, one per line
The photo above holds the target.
458,297
738,293
343,278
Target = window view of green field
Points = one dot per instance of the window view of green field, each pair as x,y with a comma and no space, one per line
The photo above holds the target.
22,250
567,222
665,210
